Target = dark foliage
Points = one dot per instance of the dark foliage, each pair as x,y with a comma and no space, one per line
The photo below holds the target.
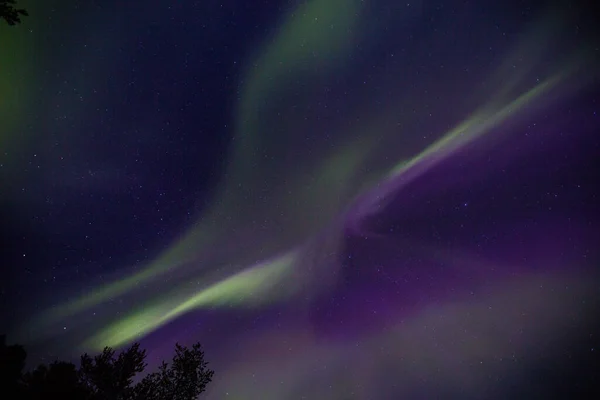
105,376
184,379
10,13
59,380
12,362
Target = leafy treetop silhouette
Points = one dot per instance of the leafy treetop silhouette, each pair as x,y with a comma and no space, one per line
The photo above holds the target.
10,13
105,376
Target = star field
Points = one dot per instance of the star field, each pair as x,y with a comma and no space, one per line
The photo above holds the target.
340,199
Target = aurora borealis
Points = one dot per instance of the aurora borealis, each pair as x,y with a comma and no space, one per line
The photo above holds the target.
339,198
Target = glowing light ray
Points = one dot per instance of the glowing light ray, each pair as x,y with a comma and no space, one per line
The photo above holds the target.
524,59
338,168
253,285
174,257
296,45
316,33
472,128
269,281
235,290
247,288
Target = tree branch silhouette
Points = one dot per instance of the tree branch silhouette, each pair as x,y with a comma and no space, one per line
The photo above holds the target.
106,376
10,13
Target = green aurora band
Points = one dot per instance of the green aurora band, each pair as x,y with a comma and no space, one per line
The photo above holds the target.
310,44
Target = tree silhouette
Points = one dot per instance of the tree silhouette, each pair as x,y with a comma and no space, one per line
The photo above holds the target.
105,376
12,363
184,379
10,13
59,380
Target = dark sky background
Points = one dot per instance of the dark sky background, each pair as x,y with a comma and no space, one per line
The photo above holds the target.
340,199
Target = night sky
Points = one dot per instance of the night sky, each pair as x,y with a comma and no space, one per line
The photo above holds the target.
340,199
